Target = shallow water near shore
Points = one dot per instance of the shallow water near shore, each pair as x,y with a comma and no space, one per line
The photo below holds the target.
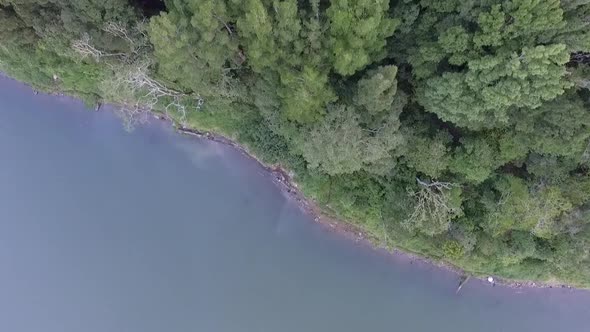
105,230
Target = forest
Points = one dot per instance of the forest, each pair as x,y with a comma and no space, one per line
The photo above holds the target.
455,129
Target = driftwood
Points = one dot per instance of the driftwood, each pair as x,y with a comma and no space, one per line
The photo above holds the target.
464,280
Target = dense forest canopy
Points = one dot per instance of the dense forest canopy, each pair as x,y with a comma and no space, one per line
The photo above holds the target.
458,129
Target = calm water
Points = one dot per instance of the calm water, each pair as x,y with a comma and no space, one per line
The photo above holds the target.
108,231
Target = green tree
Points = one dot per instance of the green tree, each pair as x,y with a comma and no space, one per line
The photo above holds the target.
475,62
518,207
358,30
338,144
493,86
305,94
475,159
256,30
376,92
14,32
559,127
196,48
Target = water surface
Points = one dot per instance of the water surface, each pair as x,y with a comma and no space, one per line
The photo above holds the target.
102,230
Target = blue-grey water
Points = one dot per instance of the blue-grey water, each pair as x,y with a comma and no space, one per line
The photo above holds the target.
102,230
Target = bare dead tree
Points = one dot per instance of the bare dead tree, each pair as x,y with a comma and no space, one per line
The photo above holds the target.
118,30
136,40
131,84
144,94
84,48
432,212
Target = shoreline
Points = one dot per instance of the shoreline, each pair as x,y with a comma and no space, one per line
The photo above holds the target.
284,181
282,178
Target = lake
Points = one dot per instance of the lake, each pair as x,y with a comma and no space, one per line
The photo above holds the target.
102,230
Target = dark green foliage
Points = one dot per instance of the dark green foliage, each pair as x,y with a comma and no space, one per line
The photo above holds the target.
455,129
475,62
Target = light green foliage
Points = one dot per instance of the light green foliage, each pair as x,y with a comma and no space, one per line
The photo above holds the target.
256,28
512,207
455,129
287,31
305,95
377,90
278,41
196,48
338,144
453,249
572,257
519,207
358,30
551,205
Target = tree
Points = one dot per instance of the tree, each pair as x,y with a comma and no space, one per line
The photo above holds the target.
493,86
558,128
476,62
62,21
339,145
575,33
256,30
475,159
138,94
274,39
358,30
436,205
305,94
197,49
14,32
428,155
535,209
377,90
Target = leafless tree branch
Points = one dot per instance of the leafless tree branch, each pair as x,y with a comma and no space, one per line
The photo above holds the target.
431,207
150,94
84,48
